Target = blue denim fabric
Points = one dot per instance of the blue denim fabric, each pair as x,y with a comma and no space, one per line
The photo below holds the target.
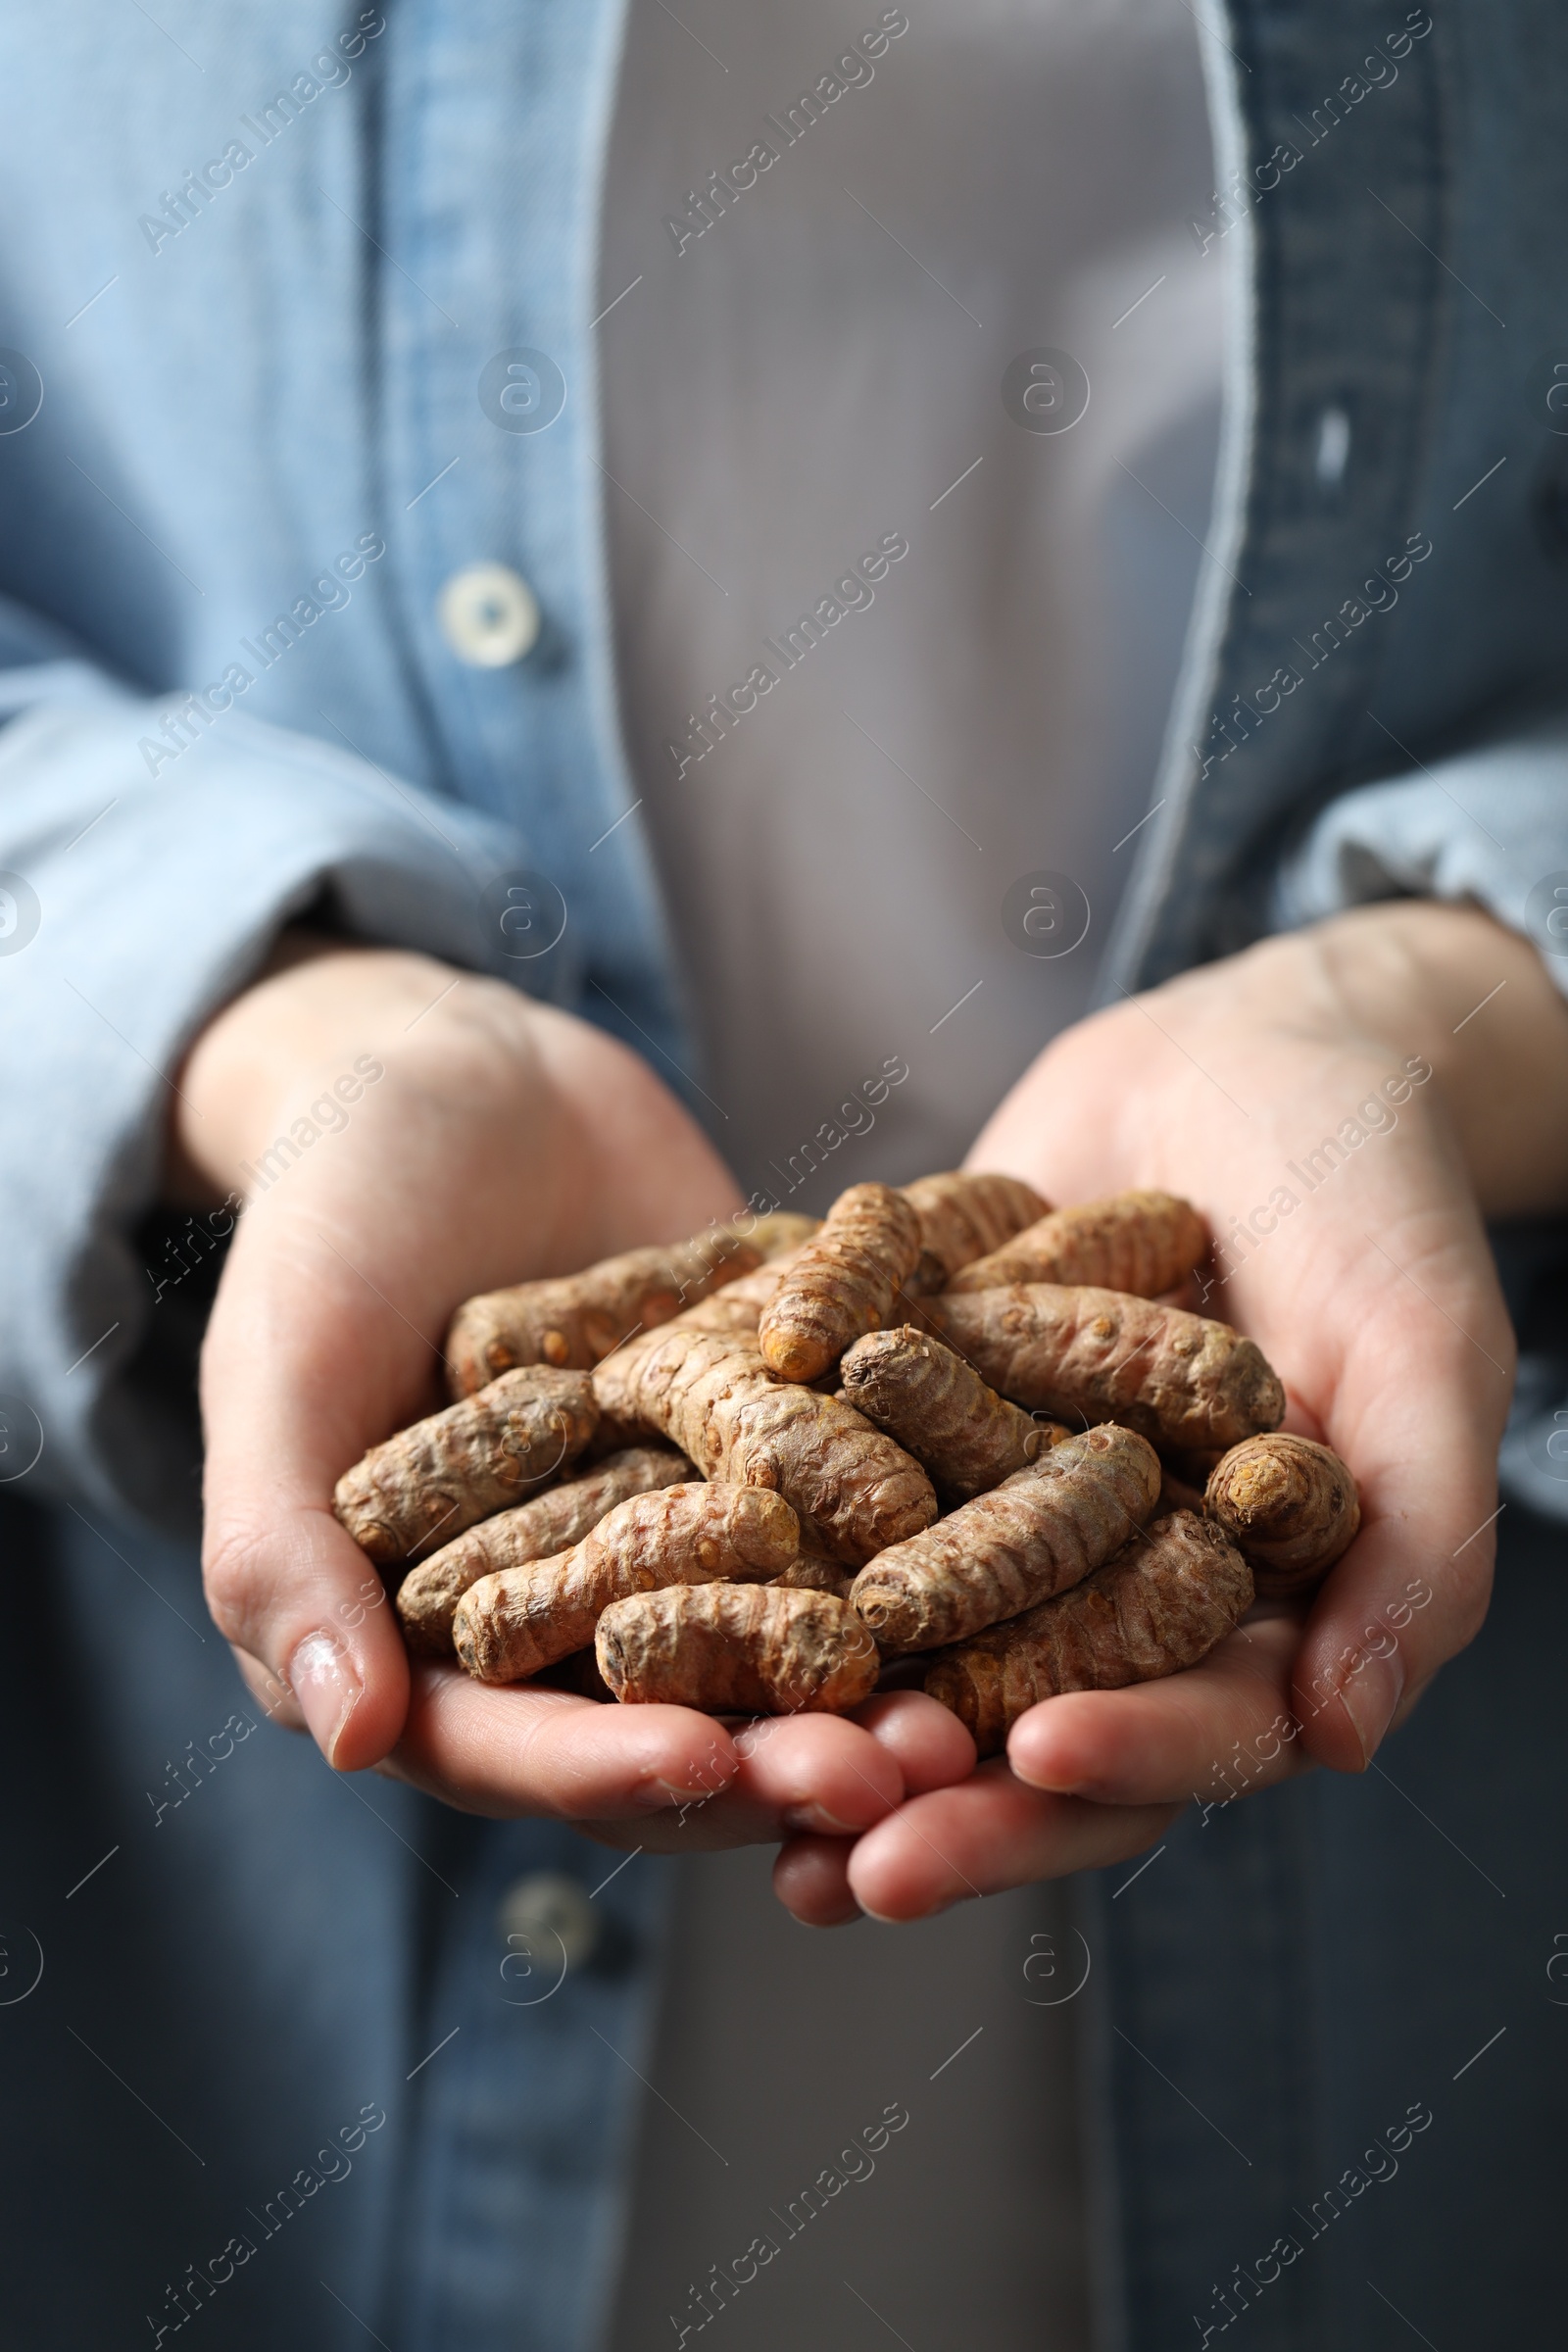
271,386
1296,1974
232,402
244,1963
1405,291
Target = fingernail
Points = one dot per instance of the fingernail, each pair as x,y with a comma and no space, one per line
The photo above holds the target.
1042,1777
906,1918
1369,1696
321,1677
817,1821
1039,1771
656,1796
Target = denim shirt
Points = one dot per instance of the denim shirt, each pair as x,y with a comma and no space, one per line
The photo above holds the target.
264,277
266,331
1390,539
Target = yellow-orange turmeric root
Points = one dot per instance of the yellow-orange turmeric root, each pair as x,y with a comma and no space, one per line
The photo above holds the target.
1043,1529
1289,1505
1087,1354
1161,1604
940,1409
509,1626
855,1490
965,1216
1144,1243
432,1480
572,1320
737,1306
751,1649
552,1522
843,1282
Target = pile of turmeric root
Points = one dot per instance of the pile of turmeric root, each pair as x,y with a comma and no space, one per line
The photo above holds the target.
947,1426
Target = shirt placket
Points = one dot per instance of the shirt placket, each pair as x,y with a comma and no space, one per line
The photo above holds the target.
496,119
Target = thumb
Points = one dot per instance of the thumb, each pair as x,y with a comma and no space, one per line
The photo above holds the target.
305,1365
1418,1415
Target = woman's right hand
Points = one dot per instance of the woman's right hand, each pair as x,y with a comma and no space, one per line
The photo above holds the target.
498,1139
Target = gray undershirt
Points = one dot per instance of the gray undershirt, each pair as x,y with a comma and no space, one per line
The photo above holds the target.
815,374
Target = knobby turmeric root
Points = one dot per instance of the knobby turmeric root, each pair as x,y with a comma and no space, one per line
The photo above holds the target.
1289,1505
1144,1243
552,1522
737,1306
964,1217
818,1378
1087,1354
432,1480
750,1649
734,1310
1159,1606
1045,1527
510,1625
814,1571
843,1282
573,1319
855,1490
940,1409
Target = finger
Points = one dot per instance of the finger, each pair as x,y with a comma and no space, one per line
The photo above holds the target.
275,1701
687,1780
1398,1606
927,1742
503,1752
1417,1412
817,1773
987,1835
814,1774
811,1879
1215,1731
287,1404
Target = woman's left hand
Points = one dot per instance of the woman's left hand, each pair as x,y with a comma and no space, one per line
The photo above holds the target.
1343,1107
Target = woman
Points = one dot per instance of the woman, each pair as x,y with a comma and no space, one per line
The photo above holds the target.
867,448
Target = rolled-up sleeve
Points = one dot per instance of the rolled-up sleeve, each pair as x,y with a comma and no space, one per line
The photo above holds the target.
1488,825
131,906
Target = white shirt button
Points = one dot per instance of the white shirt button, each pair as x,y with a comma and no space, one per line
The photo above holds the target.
547,1921
489,616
